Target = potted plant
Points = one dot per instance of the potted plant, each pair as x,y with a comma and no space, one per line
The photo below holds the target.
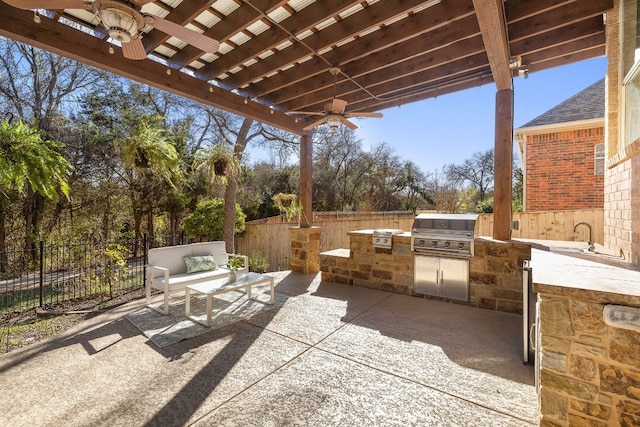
234,264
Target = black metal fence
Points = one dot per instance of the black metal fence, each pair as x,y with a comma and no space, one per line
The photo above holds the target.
52,274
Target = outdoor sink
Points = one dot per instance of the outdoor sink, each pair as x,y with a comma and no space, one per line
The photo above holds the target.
600,255
580,250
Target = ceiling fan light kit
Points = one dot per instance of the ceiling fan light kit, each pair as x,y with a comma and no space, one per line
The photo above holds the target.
334,122
122,23
334,113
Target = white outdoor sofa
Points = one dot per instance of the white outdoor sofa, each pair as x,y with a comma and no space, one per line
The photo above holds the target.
167,271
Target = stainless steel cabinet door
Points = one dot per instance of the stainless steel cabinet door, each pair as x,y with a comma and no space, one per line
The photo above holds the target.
454,279
427,275
441,277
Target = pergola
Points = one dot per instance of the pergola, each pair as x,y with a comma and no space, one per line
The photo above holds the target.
275,56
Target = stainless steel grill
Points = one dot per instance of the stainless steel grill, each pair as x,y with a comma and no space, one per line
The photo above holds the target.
442,245
443,234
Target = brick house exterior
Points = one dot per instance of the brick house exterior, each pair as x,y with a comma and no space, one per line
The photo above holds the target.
562,154
622,176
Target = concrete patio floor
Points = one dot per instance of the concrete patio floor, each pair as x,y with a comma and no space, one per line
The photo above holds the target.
333,356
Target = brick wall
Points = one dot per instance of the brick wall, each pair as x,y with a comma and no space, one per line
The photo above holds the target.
622,184
618,210
560,171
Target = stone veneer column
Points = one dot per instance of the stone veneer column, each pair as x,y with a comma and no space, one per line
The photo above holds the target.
305,250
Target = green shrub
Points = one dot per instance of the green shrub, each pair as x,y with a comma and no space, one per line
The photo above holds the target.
206,221
258,262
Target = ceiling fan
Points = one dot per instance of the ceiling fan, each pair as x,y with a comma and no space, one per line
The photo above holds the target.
334,114
124,22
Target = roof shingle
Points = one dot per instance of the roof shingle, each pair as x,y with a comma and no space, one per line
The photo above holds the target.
585,105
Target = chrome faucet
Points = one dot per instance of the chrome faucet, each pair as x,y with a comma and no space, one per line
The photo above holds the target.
591,245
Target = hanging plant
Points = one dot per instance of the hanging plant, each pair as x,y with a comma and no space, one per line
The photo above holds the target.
219,161
141,160
289,204
220,167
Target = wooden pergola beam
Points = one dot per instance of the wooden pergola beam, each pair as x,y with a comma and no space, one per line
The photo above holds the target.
493,26
64,40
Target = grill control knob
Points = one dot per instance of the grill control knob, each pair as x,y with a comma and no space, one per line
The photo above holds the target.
460,245
420,242
446,244
433,243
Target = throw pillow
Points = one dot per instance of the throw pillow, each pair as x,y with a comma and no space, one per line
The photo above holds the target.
199,263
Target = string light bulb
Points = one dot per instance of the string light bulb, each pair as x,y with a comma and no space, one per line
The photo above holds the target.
168,71
36,17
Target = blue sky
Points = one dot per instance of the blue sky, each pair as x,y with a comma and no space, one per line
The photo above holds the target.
449,129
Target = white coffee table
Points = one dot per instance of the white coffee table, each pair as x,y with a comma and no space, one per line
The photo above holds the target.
218,286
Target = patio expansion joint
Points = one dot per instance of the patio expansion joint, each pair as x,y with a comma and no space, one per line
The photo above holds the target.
293,359
382,371
508,414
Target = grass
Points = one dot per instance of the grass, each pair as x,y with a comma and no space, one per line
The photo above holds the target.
28,327
23,332
28,297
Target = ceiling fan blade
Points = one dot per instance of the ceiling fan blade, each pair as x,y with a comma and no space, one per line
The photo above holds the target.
376,115
202,42
46,4
348,124
314,124
306,113
134,50
337,105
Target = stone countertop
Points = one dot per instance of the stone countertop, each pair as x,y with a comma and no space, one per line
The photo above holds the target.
584,276
370,232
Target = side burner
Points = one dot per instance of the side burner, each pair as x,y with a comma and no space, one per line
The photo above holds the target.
383,238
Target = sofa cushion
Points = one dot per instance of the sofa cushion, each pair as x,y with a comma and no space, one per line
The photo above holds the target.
171,257
179,281
195,264
217,249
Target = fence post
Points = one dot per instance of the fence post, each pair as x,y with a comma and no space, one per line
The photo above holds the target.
41,272
145,258
182,236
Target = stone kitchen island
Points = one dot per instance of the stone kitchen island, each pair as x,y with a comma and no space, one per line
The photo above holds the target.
495,269
589,370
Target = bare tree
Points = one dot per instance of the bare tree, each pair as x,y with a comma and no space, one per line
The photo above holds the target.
340,170
444,194
476,172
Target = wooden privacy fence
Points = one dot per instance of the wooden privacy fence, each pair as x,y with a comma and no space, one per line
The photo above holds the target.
272,239
550,225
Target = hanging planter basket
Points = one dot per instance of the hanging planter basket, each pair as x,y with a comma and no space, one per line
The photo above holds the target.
141,160
220,167
288,204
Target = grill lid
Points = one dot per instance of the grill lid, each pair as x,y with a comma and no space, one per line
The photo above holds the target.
460,223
